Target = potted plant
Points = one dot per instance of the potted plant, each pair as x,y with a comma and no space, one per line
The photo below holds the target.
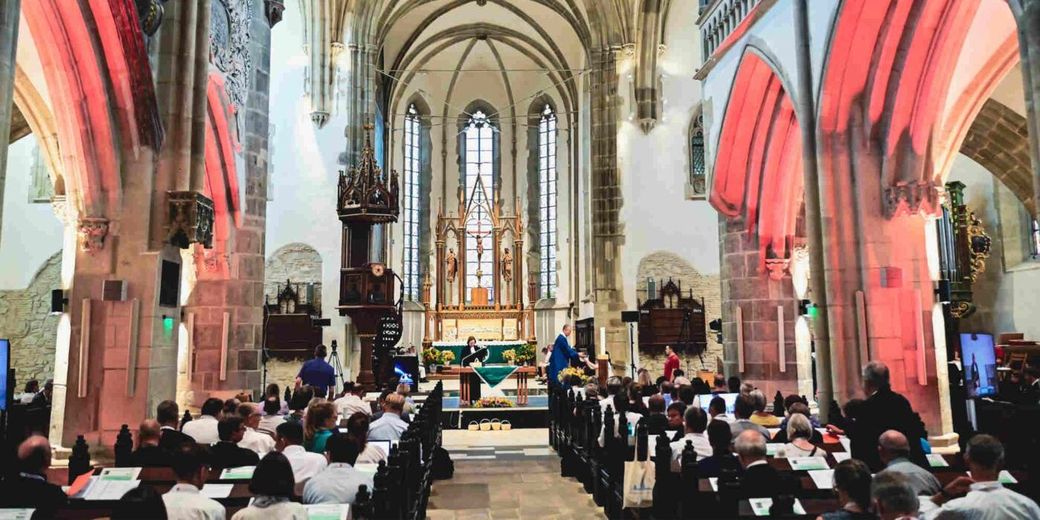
510,357
447,357
525,354
431,358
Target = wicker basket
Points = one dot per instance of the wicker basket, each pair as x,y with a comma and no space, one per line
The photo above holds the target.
473,426
506,426
496,424
485,425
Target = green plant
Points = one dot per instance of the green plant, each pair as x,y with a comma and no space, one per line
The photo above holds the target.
509,356
524,353
432,356
447,357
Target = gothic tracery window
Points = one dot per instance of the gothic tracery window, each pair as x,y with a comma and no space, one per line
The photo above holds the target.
479,164
698,171
411,202
547,202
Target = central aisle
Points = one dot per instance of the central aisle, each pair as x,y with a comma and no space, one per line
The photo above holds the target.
511,474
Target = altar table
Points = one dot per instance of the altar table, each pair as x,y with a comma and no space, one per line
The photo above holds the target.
495,349
521,374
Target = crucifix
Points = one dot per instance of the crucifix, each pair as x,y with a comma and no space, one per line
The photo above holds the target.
478,236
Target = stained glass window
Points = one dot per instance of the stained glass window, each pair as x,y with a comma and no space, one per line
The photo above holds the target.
479,164
411,208
547,202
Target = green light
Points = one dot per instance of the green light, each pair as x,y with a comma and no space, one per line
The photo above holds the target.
813,312
168,323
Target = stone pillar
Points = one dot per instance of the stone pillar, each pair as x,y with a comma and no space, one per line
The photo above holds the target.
607,230
1028,18
751,299
9,11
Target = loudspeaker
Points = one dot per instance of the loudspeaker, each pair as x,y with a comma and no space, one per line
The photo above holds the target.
58,301
169,284
113,290
630,316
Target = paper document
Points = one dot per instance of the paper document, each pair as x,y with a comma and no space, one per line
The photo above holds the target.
714,483
1004,477
845,443
120,473
217,490
772,448
937,461
328,511
760,506
840,456
16,514
823,478
239,473
101,489
808,463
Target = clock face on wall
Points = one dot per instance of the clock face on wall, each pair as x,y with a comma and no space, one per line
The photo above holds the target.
377,269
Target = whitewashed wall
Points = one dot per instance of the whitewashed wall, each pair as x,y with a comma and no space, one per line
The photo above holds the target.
31,232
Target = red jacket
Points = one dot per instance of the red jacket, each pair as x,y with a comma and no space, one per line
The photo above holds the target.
670,365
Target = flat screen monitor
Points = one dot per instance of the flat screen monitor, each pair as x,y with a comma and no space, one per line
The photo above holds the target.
980,364
5,366
703,400
406,368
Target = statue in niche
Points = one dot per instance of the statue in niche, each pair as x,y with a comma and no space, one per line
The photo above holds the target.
507,266
451,266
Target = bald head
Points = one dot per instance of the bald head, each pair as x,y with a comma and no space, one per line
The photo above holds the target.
34,454
893,445
750,446
148,433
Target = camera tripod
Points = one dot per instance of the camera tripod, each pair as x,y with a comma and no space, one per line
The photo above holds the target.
337,367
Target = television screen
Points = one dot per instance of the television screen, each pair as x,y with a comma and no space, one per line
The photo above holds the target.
703,400
406,368
980,364
5,366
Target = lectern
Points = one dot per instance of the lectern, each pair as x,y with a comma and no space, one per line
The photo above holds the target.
367,202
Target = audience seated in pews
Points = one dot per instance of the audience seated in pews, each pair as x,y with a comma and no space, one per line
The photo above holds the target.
852,485
29,488
339,482
759,478
272,488
894,452
743,409
607,397
289,442
390,425
893,497
204,429
801,409
720,439
717,410
353,401
984,497
695,422
319,425
666,392
646,384
301,398
140,503
733,385
168,414
883,410
746,388
405,390
259,443
687,395
271,419
184,501
760,416
591,391
148,453
619,405
230,407
674,413
800,433
272,391
357,431
226,453
635,400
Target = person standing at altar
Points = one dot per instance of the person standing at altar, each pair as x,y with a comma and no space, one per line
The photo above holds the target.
562,354
470,353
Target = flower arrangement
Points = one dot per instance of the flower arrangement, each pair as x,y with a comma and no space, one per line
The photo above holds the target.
493,402
509,356
447,357
525,353
569,372
432,356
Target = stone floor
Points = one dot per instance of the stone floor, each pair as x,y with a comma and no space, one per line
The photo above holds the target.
507,475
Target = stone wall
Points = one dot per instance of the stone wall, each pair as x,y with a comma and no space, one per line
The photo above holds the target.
662,266
25,319
297,262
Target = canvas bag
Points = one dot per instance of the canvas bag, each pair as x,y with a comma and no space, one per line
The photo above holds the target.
638,484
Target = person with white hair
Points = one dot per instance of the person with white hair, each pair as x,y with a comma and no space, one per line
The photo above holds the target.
759,478
799,434
883,410
894,450
893,497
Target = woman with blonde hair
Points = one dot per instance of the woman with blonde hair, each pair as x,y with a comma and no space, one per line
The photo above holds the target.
319,425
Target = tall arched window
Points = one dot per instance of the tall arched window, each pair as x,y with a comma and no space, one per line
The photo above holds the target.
412,174
479,162
698,170
547,202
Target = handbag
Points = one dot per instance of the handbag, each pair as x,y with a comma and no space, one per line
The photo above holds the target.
640,477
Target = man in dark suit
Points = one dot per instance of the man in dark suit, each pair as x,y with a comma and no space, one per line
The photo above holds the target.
148,453
882,411
30,488
227,453
168,415
759,479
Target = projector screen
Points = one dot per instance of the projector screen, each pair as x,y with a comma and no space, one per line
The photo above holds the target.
5,368
980,364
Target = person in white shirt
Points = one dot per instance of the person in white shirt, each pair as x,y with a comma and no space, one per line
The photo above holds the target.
893,496
985,498
339,482
184,501
272,488
204,428
353,401
613,387
271,419
390,426
290,443
259,443
695,421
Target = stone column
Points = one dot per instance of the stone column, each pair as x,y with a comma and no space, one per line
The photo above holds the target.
1027,14
607,230
9,11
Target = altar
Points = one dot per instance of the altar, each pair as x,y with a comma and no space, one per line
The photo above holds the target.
493,375
495,349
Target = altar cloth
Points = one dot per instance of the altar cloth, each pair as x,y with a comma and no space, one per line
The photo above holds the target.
494,375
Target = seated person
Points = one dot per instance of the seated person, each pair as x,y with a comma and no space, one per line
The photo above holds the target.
759,479
268,424
289,441
272,488
353,401
204,428
760,416
733,385
695,421
799,433
298,404
720,439
319,425
339,482
168,414
984,497
259,443
140,502
184,501
687,394
894,450
852,485
29,488
148,453
227,453
743,409
620,405
802,409
717,410
357,431
893,497
390,425
674,413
